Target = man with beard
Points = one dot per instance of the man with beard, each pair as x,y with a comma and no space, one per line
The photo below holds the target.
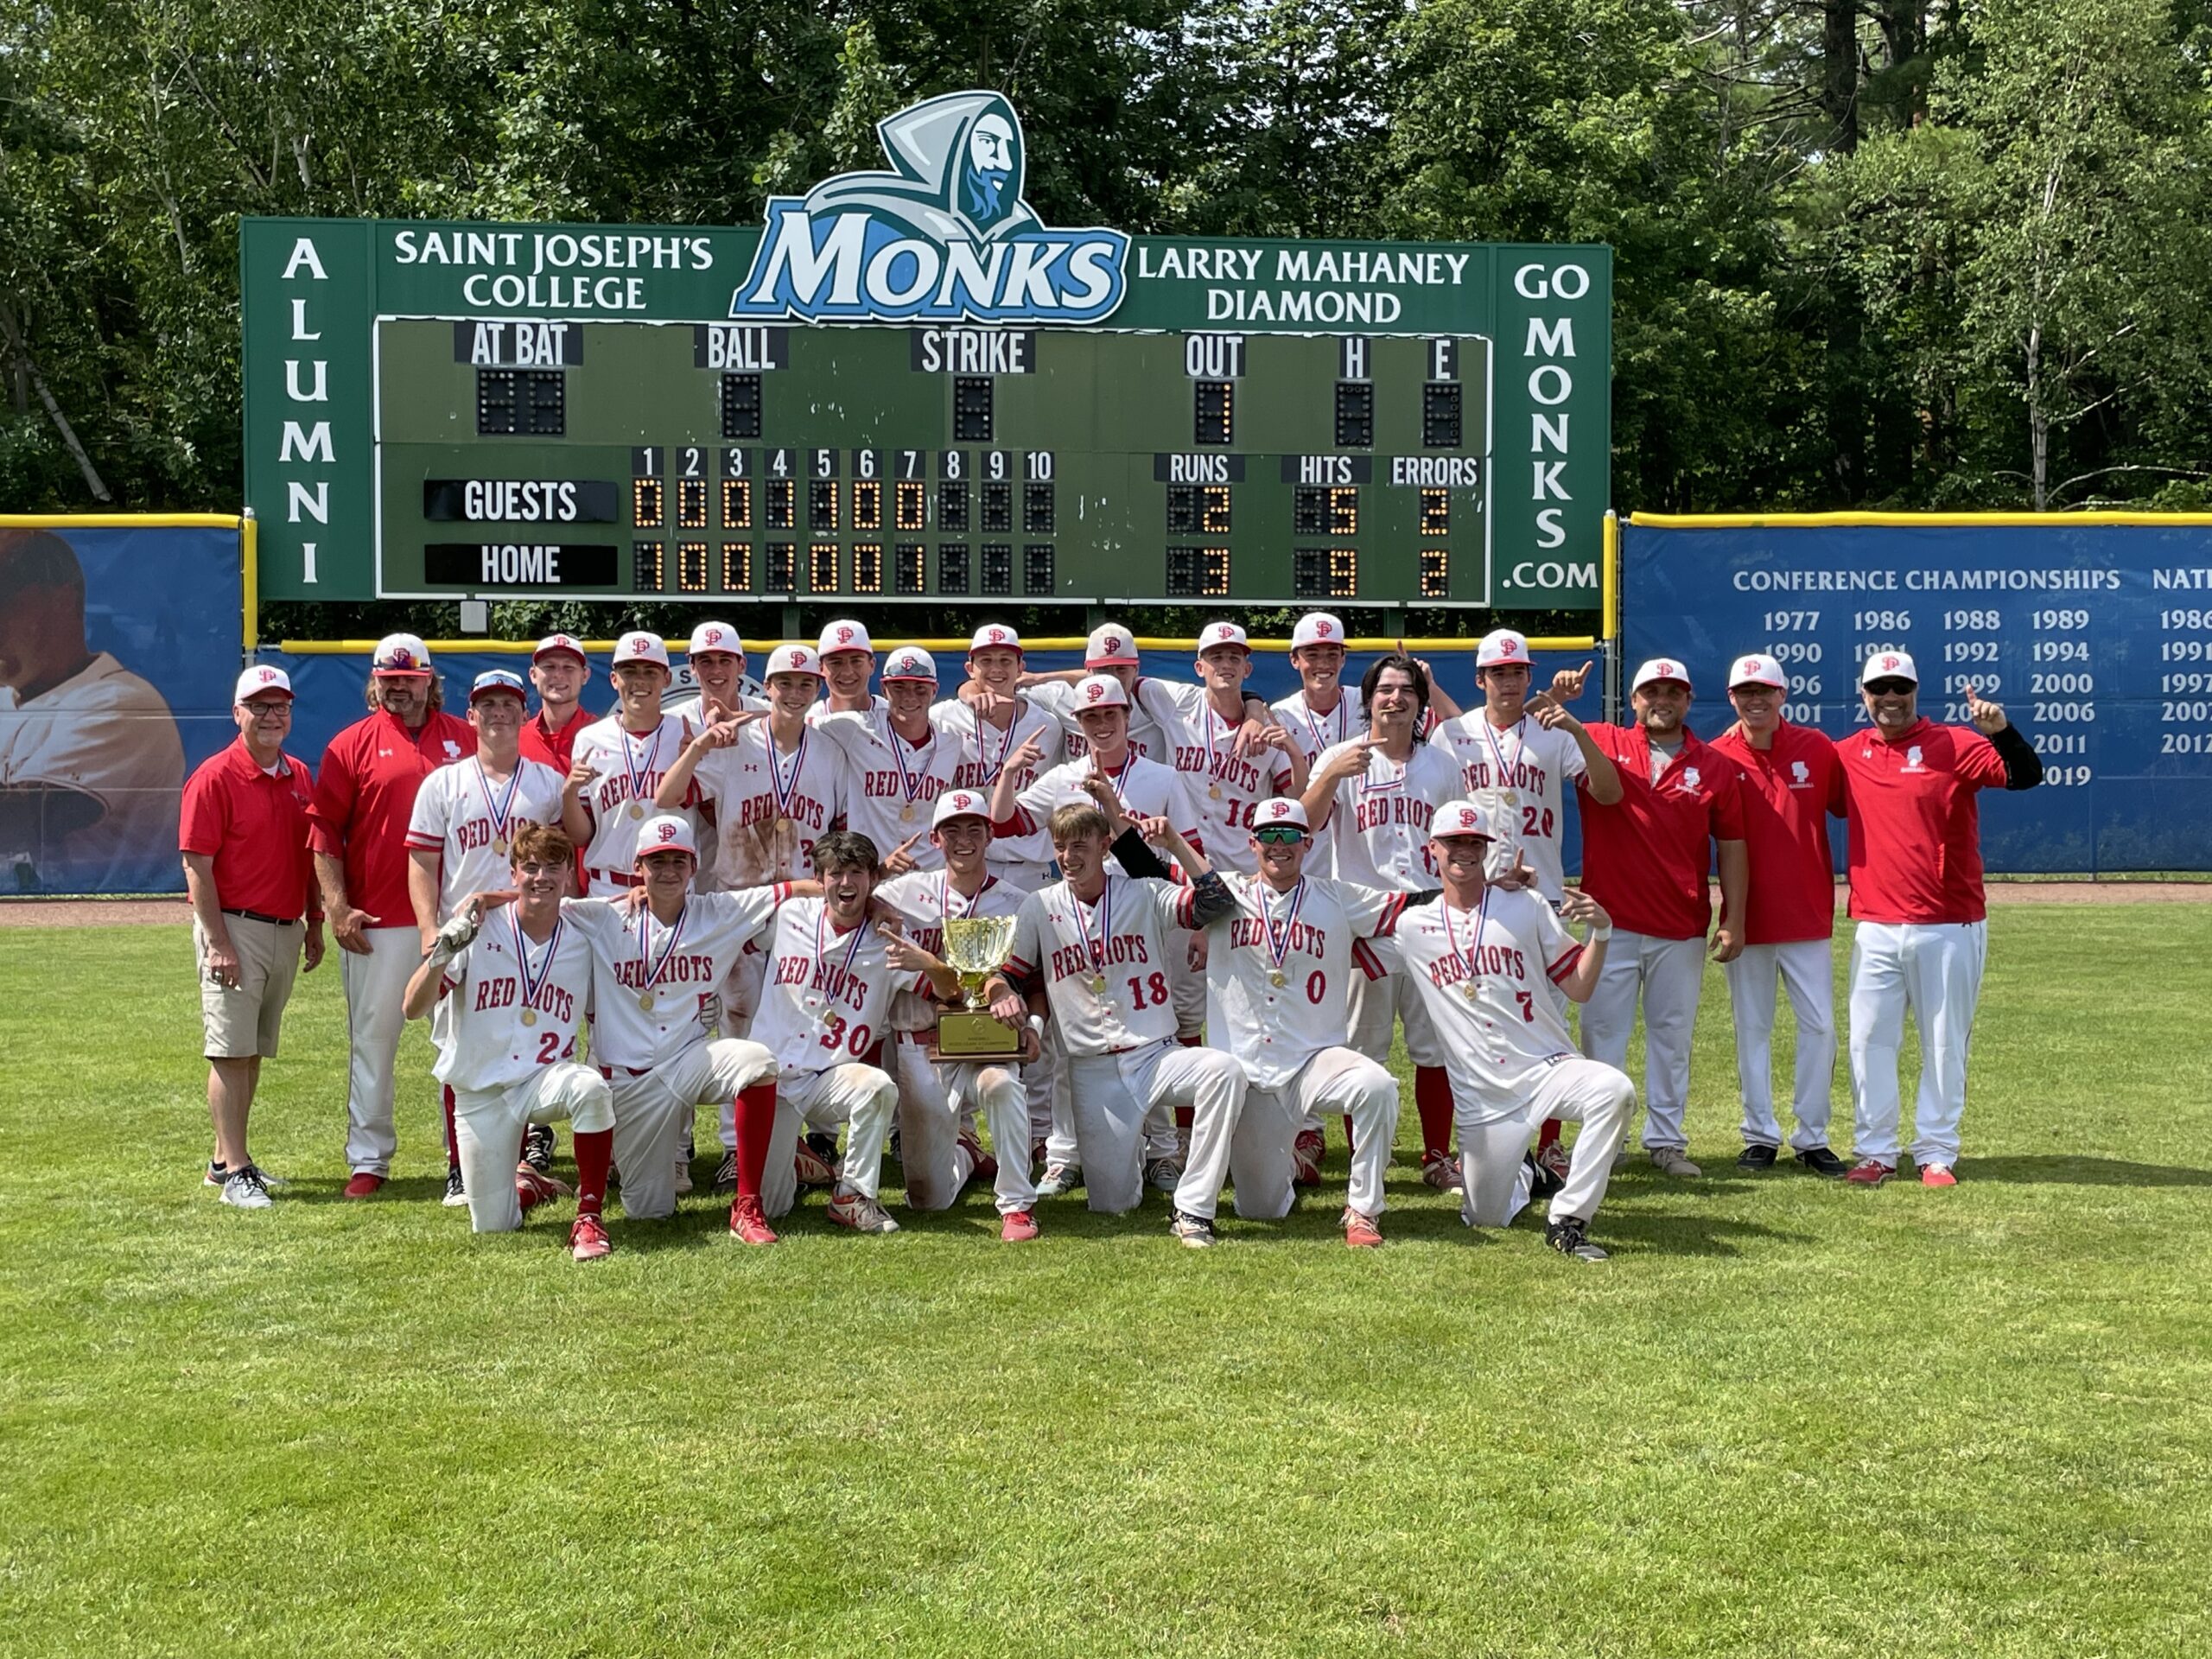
1644,859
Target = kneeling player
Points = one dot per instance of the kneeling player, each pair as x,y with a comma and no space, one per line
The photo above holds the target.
1480,961
826,1004
1098,944
515,987
1278,972
939,1156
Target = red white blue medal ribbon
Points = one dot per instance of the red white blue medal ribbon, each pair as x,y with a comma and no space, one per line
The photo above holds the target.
533,986
1468,988
786,788
1280,935
502,810
639,775
649,966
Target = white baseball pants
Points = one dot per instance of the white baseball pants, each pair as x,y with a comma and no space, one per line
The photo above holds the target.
930,1100
376,989
1807,968
1051,1091
488,1126
1934,970
653,1109
1336,1080
1112,1095
1598,1095
1668,974
854,1093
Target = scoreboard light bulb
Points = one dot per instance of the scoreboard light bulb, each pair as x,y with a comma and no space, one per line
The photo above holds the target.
867,504
648,505
1435,512
737,503
910,503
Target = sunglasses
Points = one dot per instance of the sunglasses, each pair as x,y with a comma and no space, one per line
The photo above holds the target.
1890,688
1280,835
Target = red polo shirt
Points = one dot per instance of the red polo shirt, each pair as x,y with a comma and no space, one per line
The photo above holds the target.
555,749
254,825
1788,792
1915,828
1645,858
365,795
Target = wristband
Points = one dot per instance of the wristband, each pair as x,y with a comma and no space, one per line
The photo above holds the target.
1599,935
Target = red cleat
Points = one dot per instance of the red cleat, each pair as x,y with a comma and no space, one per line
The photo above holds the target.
1360,1231
533,1187
1869,1172
747,1223
1937,1175
1306,1152
987,1167
364,1185
1017,1227
588,1239
811,1167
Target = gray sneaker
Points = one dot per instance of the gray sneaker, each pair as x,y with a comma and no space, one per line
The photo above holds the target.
848,1208
1164,1173
1061,1180
1669,1161
244,1189
1196,1232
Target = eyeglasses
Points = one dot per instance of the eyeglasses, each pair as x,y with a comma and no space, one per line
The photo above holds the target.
1891,688
1280,835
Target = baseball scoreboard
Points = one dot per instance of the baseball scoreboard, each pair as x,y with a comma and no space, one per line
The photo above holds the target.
2094,631
904,387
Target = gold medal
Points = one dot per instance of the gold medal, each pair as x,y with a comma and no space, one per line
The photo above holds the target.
1098,984
529,1016
646,1001
1469,990
499,845
1213,792
1275,977
636,810
906,813
1508,796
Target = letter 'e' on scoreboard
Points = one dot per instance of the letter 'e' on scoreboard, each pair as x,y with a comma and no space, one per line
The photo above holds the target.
904,385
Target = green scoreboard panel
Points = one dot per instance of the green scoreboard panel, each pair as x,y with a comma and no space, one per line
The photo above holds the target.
899,397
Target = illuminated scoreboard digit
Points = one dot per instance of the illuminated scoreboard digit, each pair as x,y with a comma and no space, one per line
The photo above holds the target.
853,400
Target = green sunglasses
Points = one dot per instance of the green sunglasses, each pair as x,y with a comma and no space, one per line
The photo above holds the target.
1280,835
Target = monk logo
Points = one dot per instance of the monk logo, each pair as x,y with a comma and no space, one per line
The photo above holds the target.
945,236
1801,774
1912,759
1691,779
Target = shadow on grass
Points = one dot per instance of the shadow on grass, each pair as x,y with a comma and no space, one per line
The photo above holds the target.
400,1188
1659,1233
2060,1169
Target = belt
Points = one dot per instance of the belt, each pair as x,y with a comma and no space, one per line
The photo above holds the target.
256,915
626,1071
616,878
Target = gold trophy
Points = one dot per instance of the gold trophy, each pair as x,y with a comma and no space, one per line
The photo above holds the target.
975,948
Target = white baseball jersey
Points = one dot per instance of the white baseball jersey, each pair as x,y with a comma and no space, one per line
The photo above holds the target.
1224,788
1317,733
687,695
630,767
513,1006
1148,790
890,784
827,1000
1105,967
770,805
469,822
985,749
1378,822
1057,697
1520,776
107,734
1481,975
821,710
1279,969
650,983
924,899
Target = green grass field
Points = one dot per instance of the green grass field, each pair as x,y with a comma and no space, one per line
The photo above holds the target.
1785,1419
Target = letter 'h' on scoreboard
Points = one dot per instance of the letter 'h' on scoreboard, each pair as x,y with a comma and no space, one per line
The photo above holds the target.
905,386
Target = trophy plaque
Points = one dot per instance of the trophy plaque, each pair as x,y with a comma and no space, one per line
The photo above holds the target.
975,948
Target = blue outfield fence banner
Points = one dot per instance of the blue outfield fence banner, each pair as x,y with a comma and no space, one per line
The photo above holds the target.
118,654
331,686
2094,631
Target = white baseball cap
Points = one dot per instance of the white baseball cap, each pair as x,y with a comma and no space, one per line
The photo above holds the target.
1316,628
960,803
1223,634
843,636
1756,670
262,680
1458,818
554,643
1660,668
717,636
1280,808
994,636
1889,665
1501,648
401,654
640,646
792,659
910,663
666,833
496,679
1112,644
1100,691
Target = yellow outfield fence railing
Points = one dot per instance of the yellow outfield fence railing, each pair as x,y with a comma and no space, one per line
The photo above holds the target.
249,540
1422,646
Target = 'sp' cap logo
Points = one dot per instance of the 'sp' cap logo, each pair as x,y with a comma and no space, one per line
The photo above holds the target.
1889,661
664,831
1664,670
844,635
906,666
994,637
1092,693
713,635
266,675
1325,627
944,235
1509,643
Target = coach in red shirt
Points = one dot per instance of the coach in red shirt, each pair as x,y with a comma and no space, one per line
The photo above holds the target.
560,671
1916,892
1791,782
243,835
364,798
1644,859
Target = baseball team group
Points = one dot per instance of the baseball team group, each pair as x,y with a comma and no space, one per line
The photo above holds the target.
1219,911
